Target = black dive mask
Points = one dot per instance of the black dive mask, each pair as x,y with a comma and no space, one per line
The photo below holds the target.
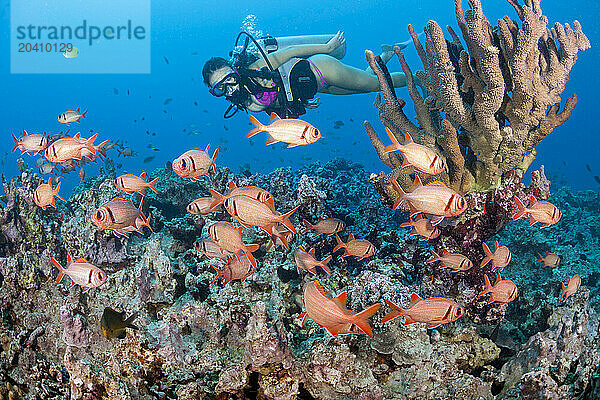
225,85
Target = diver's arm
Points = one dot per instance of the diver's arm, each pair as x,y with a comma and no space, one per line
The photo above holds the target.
282,56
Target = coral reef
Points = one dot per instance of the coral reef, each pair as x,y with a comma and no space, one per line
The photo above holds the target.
203,341
488,103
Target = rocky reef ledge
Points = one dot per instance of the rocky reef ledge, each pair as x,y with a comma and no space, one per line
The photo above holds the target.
198,340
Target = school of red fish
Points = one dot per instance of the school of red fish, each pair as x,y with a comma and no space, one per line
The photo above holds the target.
252,206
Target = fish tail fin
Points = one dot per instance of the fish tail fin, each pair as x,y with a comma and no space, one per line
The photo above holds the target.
89,144
152,183
307,226
252,247
220,272
401,194
324,263
541,259
214,157
340,244
258,127
394,313
250,258
361,320
285,220
395,144
434,256
284,241
219,199
521,209
488,255
16,142
129,321
83,115
488,286
564,289
61,270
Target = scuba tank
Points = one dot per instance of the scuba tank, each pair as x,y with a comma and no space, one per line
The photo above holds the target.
290,106
271,44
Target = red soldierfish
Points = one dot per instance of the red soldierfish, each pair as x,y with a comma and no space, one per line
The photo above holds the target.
133,183
293,131
305,260
550,260
572,286
81,272
503,291
539,211
499,258
434,198
195,163
281,236
422,227
121,217
44,194
201,206
211,249
70,116
249,211
69,148
230,239
433,311
455,261
327,226
235,268
359,248
332,314
251,191
33,143
421,157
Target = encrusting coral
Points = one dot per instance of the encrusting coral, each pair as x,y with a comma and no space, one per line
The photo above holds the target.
487,105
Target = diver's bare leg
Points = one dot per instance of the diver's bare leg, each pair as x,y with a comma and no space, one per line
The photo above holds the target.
344,79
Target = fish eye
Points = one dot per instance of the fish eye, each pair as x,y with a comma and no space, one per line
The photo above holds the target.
316,133
461,202
459,311
99,215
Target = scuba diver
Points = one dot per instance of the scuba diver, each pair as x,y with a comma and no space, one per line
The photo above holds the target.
289,73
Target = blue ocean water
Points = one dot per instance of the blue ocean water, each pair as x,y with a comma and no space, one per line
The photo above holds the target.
188,33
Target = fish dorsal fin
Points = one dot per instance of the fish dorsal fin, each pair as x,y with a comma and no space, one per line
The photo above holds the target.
50,181
320,288
77,135
350,237
414,299
438,183
341,299
77,109
207,147
143,175
498,278
418,181
118,199
231,184
407,138
496,245
445,252
274,117
240,229
532,200
312,252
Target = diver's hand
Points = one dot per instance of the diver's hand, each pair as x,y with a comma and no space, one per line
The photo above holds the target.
313,103
336,41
